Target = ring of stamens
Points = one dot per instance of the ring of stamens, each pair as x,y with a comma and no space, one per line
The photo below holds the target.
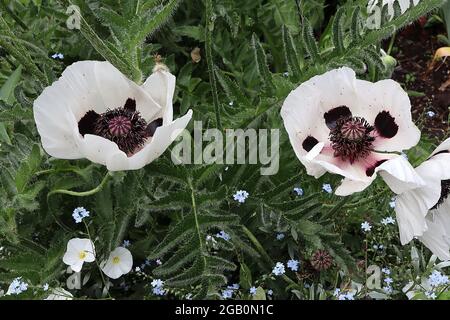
351,138
123,126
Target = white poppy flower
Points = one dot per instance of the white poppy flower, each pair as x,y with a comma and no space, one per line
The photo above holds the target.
59,294
93,111
424,212
343,125
78,252
120,262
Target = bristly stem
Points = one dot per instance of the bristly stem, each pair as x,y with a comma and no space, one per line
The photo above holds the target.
209,27
299,10
84,193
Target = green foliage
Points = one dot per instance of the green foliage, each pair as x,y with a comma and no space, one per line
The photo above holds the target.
253,53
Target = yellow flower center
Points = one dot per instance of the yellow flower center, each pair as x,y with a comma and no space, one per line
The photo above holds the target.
82,255
116,260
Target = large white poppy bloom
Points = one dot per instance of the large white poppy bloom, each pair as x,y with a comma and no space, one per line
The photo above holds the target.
93,111
120,262
78,252
343,125
424,212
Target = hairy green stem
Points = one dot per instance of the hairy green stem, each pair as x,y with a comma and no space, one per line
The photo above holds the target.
84,193
209,27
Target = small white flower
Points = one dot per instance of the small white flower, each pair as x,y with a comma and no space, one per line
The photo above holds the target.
93,111
431,295
386,271
327,188
223,235
120,262
279,269
431,114
387,289
298,191
388,220
59,294
240,196
78,252
253,291
79,214
365,226
157,283
280,236
17,286
45,287
388,280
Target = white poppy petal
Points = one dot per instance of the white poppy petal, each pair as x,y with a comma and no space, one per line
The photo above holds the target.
437,237
161,87
55,123
348,186
105,152
399,175
385,104
443,147
161,140
410,211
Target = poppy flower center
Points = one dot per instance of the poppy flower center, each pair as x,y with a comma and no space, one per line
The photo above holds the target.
445,192
119,126
351,138
116,260
123,126
82,255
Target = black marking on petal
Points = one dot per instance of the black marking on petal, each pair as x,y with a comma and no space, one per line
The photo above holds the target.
440,152
332,116
130,105
370,171
385,125
86,125
309,143
152,126
445,192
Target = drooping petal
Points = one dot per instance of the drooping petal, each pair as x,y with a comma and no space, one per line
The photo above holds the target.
161,140
437,236
410,211
444,147
386,105
399,175
161,87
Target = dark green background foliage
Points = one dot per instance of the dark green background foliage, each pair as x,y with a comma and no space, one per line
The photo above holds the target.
253,53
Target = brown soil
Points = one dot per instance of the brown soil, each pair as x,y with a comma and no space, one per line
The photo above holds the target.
414,50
